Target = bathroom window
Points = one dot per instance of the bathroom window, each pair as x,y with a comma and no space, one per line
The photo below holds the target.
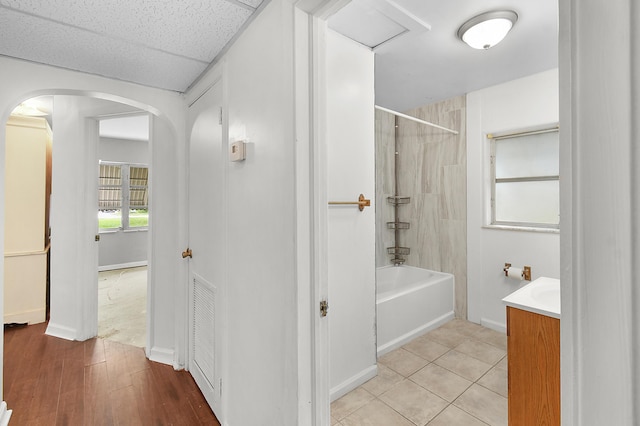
123,196
526,179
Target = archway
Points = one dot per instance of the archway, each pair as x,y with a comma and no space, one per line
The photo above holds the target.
165,342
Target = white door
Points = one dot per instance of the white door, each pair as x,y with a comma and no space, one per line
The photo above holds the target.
206,241
351,232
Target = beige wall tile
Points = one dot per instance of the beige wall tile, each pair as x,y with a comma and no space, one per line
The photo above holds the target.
432,171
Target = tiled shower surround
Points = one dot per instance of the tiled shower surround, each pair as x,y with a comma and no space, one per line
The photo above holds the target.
432,167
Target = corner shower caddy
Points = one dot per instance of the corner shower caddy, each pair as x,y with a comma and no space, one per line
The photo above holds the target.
397,251
396,200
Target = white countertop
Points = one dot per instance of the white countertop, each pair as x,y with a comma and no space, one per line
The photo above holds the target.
541,296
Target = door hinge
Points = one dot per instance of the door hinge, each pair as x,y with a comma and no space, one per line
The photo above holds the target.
220,388
97,237
220,117
324,308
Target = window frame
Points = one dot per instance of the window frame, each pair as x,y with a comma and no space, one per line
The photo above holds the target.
493,138
125,194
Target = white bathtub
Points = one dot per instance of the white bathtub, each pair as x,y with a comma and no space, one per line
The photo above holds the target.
410,301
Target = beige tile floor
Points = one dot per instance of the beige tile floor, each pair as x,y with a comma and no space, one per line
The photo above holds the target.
122,305
454,375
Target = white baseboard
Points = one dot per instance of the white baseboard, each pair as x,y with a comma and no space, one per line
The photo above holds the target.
122,266
494,325
406,338
161,355
61,331
5,414
353,382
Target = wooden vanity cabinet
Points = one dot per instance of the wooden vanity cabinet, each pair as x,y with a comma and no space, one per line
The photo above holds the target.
533,345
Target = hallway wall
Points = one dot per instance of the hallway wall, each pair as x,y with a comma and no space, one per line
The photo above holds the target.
260,364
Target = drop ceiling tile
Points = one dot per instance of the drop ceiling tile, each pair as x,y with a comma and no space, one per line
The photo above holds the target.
253,3
197,30
44,41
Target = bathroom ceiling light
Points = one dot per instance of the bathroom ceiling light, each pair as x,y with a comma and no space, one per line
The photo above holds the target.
488,29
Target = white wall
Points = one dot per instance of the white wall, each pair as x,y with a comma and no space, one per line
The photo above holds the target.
121,248
73,218
261,355
522,103
123,150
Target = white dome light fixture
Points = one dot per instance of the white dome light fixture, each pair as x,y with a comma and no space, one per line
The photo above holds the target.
488,29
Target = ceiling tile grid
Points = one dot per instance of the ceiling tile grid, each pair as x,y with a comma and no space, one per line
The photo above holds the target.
195,29
158,43
43,41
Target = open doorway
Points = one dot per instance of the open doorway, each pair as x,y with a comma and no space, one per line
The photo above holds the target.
27,199
123,223
124,141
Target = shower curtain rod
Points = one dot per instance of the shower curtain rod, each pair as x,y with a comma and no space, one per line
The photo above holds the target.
408,117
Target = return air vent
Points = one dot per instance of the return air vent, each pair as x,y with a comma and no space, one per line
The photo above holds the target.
204,336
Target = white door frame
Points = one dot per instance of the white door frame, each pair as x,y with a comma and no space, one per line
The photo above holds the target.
319,11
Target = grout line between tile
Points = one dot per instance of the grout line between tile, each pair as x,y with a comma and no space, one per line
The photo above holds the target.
493,365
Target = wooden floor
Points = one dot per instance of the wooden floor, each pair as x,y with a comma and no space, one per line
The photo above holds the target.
50,381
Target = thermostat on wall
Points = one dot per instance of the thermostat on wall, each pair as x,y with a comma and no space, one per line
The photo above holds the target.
237,151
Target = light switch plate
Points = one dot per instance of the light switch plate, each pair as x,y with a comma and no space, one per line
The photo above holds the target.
237,151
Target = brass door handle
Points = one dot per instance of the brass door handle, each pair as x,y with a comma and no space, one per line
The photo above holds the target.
187,253
361,203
